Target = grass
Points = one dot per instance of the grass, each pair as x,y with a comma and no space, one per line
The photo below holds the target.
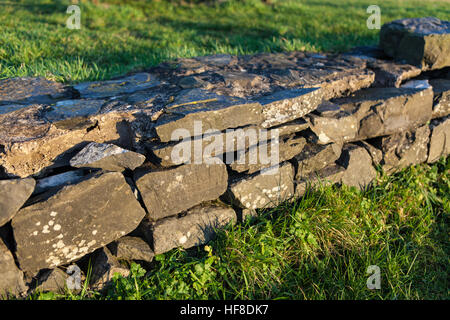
316,248
119,36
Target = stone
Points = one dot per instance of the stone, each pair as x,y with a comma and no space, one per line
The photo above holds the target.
287,105
53,280
264,189
330,174
13,194
315,157
196,227
104,269
108,157
28,90
74,221
219,144
32,145
372,113
11,280
423,42
404,149
441,103
111,88
367,53
375,153
60,180
440,139
172,191
131,248
267,154
390,74
194,107
359,172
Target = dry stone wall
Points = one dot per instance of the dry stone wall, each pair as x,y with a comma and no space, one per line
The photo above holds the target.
132,167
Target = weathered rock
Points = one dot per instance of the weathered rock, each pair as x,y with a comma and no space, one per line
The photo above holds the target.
220,144
390,74
196,227
73,114
440,139
357,162
13,194
131,248
374,112
267,154
32,144
288,105
315,157
330,174
423,42
375,153
111,88
11,280
104,269
264,189
441,104
169,192
31,90
75,221
403,149
107,157
195,111
53,280
60,180
367,53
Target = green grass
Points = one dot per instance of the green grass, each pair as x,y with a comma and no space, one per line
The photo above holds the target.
316,248
119,36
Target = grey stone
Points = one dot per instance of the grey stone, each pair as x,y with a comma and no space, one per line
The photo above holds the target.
404,149
13,194
267,154
31,90
172,191
423,42
11,280
213,111
54,280
131,248
287,105
59,180
73,114
75,221
374,112
390,74
357,162
111,88
315,157
441,104
196,227
107,157
104,269
264,189
440,139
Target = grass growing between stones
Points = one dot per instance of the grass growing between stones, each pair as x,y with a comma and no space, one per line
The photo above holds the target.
119,36
316,248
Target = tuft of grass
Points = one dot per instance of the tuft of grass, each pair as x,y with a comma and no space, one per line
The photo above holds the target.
119,36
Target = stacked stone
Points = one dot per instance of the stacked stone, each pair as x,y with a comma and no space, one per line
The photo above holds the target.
118,170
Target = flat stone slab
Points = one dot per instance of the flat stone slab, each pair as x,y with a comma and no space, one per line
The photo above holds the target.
196,227
75,221
13,194
373,112
131,249
166,193
111,88
391,74
104,269
11,280
423,42
31,91
330,174
108,157
440,139
359,172
263,190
